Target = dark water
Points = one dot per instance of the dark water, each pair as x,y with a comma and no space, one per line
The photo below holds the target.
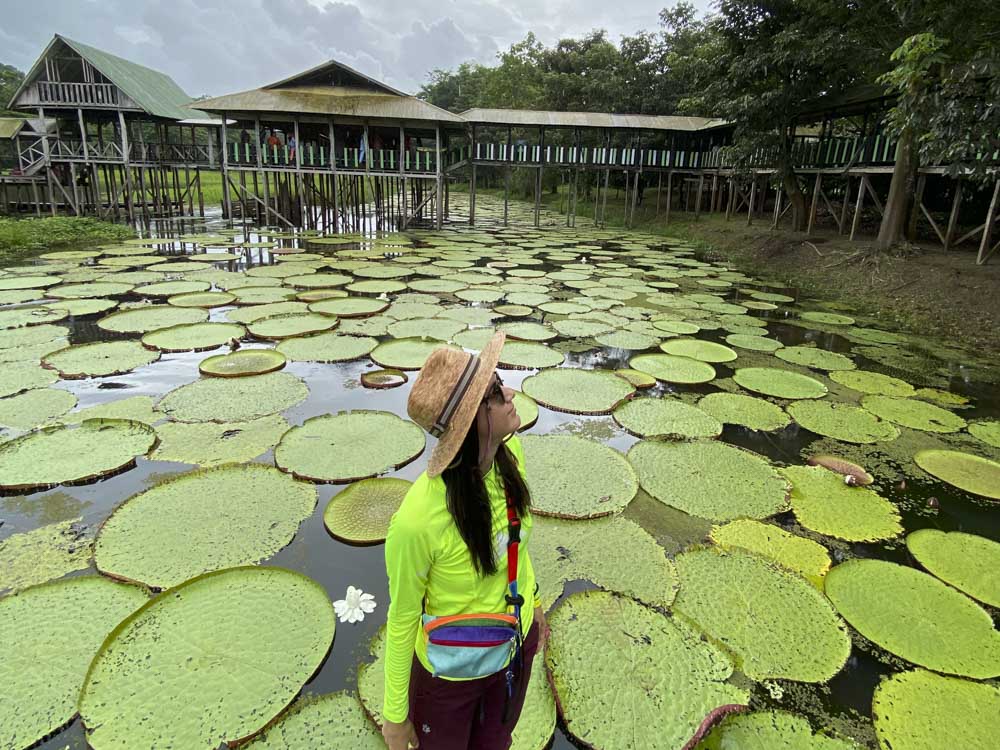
843,705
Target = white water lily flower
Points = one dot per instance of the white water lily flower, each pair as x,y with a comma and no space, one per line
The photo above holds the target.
355,606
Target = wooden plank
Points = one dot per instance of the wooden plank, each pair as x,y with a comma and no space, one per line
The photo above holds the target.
858,206
956,203
986,248
817,190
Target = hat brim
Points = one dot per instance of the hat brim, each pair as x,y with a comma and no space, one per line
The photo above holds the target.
453,437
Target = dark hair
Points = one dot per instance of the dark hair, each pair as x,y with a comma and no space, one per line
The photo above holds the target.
469,503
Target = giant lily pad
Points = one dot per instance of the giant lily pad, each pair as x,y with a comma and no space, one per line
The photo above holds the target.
987,431
327,347
296,324
242,363
99,359
136,408
704,351
35,407
919,415
966,561
382,379
248,315
528,331
917,617
674,679
156,679
335,720
233,399
404,354
572,477
529,355
613,552
776,623
68,455
578,391
42,554
201,299
165,289
194,337
753,343
779,383
872,382
769,730
360,513
824,503
747,411
920,710
201,521
709,479
673,369
818,359
348,446
527,410
974,474
150,317
840,421
666,417
19,377
439,329
800,555
214,443
49,634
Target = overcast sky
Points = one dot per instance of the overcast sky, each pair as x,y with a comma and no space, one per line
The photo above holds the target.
220,46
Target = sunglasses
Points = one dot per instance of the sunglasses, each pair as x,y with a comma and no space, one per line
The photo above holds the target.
495,392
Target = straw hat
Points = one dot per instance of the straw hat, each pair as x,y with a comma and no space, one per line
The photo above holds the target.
447,394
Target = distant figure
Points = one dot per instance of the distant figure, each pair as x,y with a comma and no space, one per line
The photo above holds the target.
245,136
291,148
273,142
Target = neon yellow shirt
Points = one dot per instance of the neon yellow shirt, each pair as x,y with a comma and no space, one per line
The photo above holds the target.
426,557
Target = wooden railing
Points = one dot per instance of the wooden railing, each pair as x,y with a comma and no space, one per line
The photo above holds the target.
31,156
93,94
311,156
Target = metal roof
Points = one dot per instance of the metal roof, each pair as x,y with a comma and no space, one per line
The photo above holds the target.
530,117
11,126
331,67
329,100
155,92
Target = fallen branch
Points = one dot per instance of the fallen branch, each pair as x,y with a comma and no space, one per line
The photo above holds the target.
807,242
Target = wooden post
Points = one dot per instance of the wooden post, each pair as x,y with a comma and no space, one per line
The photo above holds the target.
986,248
472,178
714,204
333,179
670,190
299,184
701,190
817,188
659,187
956,203
227,204
918,202
506,179
201,195
538,175
858,205
731,198
842,227
753,197
439,217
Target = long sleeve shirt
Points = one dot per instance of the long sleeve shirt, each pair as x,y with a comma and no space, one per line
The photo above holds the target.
428,561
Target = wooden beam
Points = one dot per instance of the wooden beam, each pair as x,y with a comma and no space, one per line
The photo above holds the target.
753,195
858,206
817,190
956,203
986,248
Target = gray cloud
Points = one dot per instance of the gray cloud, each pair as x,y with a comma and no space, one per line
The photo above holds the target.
219,46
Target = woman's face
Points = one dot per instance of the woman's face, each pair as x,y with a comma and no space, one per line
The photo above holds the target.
499,404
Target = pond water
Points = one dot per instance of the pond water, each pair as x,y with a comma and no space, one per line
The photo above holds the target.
841,705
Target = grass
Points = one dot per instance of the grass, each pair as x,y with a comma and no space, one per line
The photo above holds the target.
22,237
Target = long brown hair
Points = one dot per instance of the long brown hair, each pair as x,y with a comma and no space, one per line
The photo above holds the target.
469,503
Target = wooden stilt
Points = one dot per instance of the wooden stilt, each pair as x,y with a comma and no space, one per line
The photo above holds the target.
701,190
986,246
842,226
858,206
817,189
956,204
753,197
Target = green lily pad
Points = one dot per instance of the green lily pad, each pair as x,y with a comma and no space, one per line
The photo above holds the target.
193,337
440,329
529,355
988,431
78,308
965,561
753,343
247,315
673,369
150,317
201,521
572,477
747,411
704,351
49,634
578,391
16,338
215,443
19,317
872,382
317,280
261,295
72,455
527,410
628,340
709,479
677,327
823,503
525,331
334,720
327,347
27,282
35,407
288,326
974,474
360,513
265,629
640,380
909,412
349,446
674,678
775,622
94,289
41,555
201,299
19,377
383,378
800,555
167,288
831,319
772,381
613,552
135,408
99,359
513,311
842,422
917,617
666,418
920,710
242,363
233,399
581,329
376,286
767,730
403,354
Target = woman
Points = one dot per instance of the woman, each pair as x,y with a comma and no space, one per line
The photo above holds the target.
446,554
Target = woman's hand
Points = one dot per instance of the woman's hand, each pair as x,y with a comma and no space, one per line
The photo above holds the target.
543,628
400,736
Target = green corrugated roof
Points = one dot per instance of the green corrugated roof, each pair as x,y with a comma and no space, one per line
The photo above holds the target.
9,126
155,92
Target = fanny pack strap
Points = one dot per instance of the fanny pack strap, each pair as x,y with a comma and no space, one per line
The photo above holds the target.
514,599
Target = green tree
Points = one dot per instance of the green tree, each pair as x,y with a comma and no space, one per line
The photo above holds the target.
10,79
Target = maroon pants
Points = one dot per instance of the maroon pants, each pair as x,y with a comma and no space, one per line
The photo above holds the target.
467,714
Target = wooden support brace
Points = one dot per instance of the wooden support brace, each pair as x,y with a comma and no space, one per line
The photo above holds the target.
986,246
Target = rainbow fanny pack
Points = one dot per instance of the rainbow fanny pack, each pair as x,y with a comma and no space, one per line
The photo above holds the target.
471,645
